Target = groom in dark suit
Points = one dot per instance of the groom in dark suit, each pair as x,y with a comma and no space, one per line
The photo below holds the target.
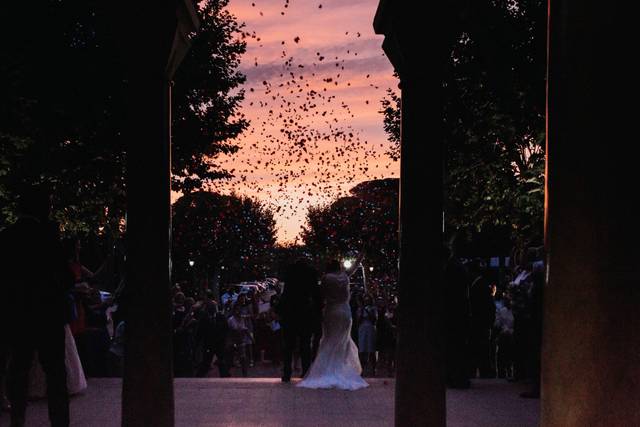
35,279
298,311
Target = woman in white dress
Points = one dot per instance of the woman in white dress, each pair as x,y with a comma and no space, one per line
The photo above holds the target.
337,364
76,381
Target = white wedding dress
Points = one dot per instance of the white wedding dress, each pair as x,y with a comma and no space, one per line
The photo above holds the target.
76,381
337,364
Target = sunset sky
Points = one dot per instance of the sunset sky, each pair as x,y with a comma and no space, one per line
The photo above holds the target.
315,76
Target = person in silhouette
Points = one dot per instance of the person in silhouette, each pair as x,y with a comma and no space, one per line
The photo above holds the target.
368,318
483,316
297,311
212,333
33,295
535,338
457,320
5,406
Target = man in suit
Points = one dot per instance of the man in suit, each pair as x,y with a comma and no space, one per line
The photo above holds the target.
212,334
36,279
298,313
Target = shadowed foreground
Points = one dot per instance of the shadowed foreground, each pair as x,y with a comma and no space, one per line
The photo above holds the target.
267,402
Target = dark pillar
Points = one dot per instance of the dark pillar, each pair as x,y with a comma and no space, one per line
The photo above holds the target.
157,41
591,344
418,51
420,393
147,398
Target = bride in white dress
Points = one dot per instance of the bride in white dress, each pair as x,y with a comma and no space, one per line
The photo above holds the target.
336,364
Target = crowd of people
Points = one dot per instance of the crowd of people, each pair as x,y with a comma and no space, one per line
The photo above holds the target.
494,330
70,329
244,330
236,332
55,327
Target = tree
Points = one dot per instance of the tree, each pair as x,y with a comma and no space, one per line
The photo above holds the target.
62,103
284,255
365,222
11,151
494,114
391,121
206,120
222,234
494,93
63,107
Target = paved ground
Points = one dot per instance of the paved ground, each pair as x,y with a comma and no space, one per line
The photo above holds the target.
266,402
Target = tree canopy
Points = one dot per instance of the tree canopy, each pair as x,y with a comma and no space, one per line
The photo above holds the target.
206,98
494,92
63,103
226,234
365,222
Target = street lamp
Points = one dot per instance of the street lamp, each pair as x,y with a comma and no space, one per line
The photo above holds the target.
347,263
191,263
371,268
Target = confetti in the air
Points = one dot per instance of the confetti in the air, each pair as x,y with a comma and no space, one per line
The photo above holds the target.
316,130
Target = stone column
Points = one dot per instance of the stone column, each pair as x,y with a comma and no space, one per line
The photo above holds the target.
418,51
420,392
591,343
147,398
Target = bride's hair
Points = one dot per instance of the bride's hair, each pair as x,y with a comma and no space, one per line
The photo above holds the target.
333,266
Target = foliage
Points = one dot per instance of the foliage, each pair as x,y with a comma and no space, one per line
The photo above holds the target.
11,152
391,121
494,115
494,93
63,108
225,234
365,222
285,254
206,100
